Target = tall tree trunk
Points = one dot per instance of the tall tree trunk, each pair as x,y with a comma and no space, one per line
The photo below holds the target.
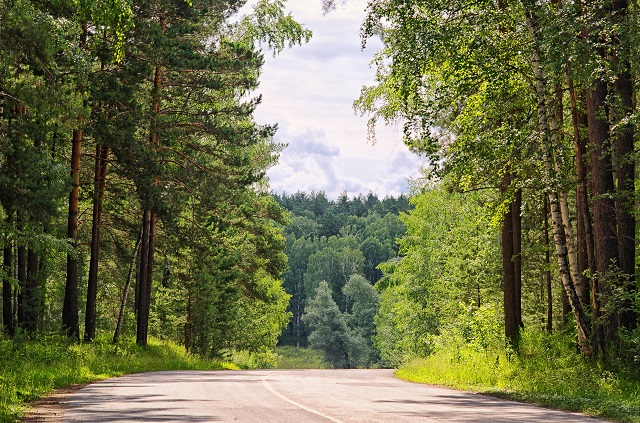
99,182
144,291
149,273
142,316
511,321
625,164
585,254
21,273
559,236
516,216
604,218
555,123
42,285
125,291
7,294
70,320
188,326
32,293
547,262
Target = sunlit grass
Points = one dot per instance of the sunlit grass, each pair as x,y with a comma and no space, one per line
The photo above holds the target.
299,358
31,369
544,372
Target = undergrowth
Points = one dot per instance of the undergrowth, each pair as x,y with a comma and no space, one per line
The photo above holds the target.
290,357
547,371
31,369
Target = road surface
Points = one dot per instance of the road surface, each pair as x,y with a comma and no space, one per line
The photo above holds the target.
291,396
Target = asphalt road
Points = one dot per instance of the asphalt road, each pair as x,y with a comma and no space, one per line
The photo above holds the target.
291,396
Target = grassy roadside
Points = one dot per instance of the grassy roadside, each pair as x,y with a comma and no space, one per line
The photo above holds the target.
564,381
299,358
31,369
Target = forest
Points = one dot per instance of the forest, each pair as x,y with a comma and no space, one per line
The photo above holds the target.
134,201
529,110
132,178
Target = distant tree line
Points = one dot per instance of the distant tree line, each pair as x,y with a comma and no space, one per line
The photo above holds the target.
334,248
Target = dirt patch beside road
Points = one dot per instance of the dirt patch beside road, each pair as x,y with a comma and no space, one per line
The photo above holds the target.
51,408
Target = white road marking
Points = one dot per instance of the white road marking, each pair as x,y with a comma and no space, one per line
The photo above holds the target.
289,400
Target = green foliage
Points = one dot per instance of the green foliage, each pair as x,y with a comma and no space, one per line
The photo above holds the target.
404,328
333,240
476,328
183,145
270,25
31,369
265,359
234,301
498,95
345,339
328,328
364,302
449,259
334,265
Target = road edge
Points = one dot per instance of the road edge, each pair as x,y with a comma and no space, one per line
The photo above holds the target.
51,407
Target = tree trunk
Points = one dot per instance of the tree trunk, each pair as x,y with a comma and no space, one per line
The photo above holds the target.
188,325
547,262
511,323
142,317
555,123
99,182
559,237
146,263
604,218
21,273
585,255
125,291
516,216
31,298
149,273
7,294
625,167
70,321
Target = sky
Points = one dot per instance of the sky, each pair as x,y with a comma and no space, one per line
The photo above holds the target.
309,91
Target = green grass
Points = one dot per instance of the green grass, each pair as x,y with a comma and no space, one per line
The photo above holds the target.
31,369
299,358
543,373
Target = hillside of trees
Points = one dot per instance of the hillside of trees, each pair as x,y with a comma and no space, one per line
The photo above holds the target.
133,197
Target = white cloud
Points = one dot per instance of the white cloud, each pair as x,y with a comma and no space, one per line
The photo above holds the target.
311,163
309,92
311,142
